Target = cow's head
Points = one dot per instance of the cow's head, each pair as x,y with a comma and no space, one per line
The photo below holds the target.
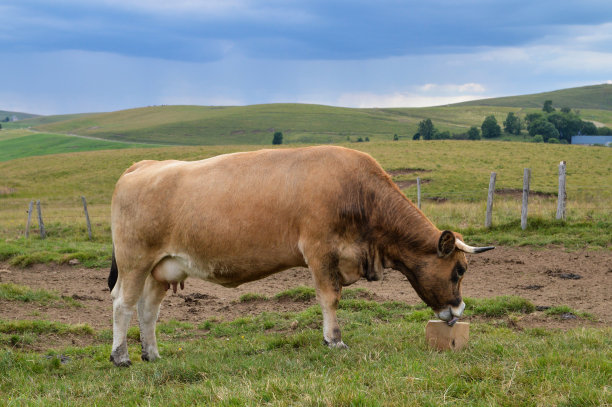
437,276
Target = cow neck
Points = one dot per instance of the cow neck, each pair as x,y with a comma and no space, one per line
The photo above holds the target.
405,226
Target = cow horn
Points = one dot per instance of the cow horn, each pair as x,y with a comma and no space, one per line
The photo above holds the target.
470,249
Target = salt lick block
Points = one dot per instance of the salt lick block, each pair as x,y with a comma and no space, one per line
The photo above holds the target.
443,337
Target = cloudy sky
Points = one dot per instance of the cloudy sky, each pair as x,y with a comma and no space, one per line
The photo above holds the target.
71,56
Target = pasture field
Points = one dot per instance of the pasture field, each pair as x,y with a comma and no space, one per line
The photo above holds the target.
22,143
257,361
455,178
261,343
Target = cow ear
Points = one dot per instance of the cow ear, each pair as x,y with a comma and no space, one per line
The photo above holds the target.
446,244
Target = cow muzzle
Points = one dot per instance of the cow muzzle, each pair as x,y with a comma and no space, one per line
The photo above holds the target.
451,312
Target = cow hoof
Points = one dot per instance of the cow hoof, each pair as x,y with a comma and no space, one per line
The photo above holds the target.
120,356
120,363
335,345
149,357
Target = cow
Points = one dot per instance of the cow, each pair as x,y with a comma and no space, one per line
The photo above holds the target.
240,217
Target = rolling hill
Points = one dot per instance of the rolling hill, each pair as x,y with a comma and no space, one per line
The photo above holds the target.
597,97
18,115
302,123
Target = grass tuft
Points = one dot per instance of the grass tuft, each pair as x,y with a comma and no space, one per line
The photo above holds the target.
498,306
251,297
44,327
297,294
16,292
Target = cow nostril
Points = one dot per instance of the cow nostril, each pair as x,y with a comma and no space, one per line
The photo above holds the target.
456,302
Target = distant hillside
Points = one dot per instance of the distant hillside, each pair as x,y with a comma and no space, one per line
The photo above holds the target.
23,143
20,116
255,124
586,97
302,123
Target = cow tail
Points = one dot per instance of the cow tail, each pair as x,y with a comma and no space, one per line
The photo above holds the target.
114,272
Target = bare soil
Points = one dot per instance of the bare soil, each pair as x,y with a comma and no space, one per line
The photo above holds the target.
548,277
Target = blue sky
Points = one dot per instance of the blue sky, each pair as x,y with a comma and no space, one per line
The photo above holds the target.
69,56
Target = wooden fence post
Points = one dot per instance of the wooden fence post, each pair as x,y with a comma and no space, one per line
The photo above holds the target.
562,196
526,179
419,192
41,225
27,231
86,217
488,219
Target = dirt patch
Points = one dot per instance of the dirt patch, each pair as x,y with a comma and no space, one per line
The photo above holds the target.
518,193
525,272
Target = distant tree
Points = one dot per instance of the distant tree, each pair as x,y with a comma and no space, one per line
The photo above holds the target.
588,128
566,110
7,119
442,135
532,117
553,140
512,124
395,138
543,128
367,139
604,131
490,128
417,136
426,129
360,140
0,127
278,138
538,138
548,107
567,124
473,133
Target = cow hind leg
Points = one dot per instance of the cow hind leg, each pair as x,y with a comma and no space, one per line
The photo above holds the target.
125,295
148,312
328,288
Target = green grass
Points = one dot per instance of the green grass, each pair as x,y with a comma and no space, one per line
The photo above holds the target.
247,362
297,294
498,306
16,292
44,327
250,297
20,144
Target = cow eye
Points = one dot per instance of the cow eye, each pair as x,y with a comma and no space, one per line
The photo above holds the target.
460,269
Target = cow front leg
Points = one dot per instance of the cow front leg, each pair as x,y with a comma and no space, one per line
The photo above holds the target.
328,289
148,312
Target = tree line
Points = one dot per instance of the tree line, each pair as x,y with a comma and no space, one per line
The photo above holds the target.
550,125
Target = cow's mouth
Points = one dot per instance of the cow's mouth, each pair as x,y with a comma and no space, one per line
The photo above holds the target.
451,314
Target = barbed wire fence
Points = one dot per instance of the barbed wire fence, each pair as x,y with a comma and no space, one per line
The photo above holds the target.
36,214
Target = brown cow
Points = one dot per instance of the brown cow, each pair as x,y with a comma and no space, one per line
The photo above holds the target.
241,217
